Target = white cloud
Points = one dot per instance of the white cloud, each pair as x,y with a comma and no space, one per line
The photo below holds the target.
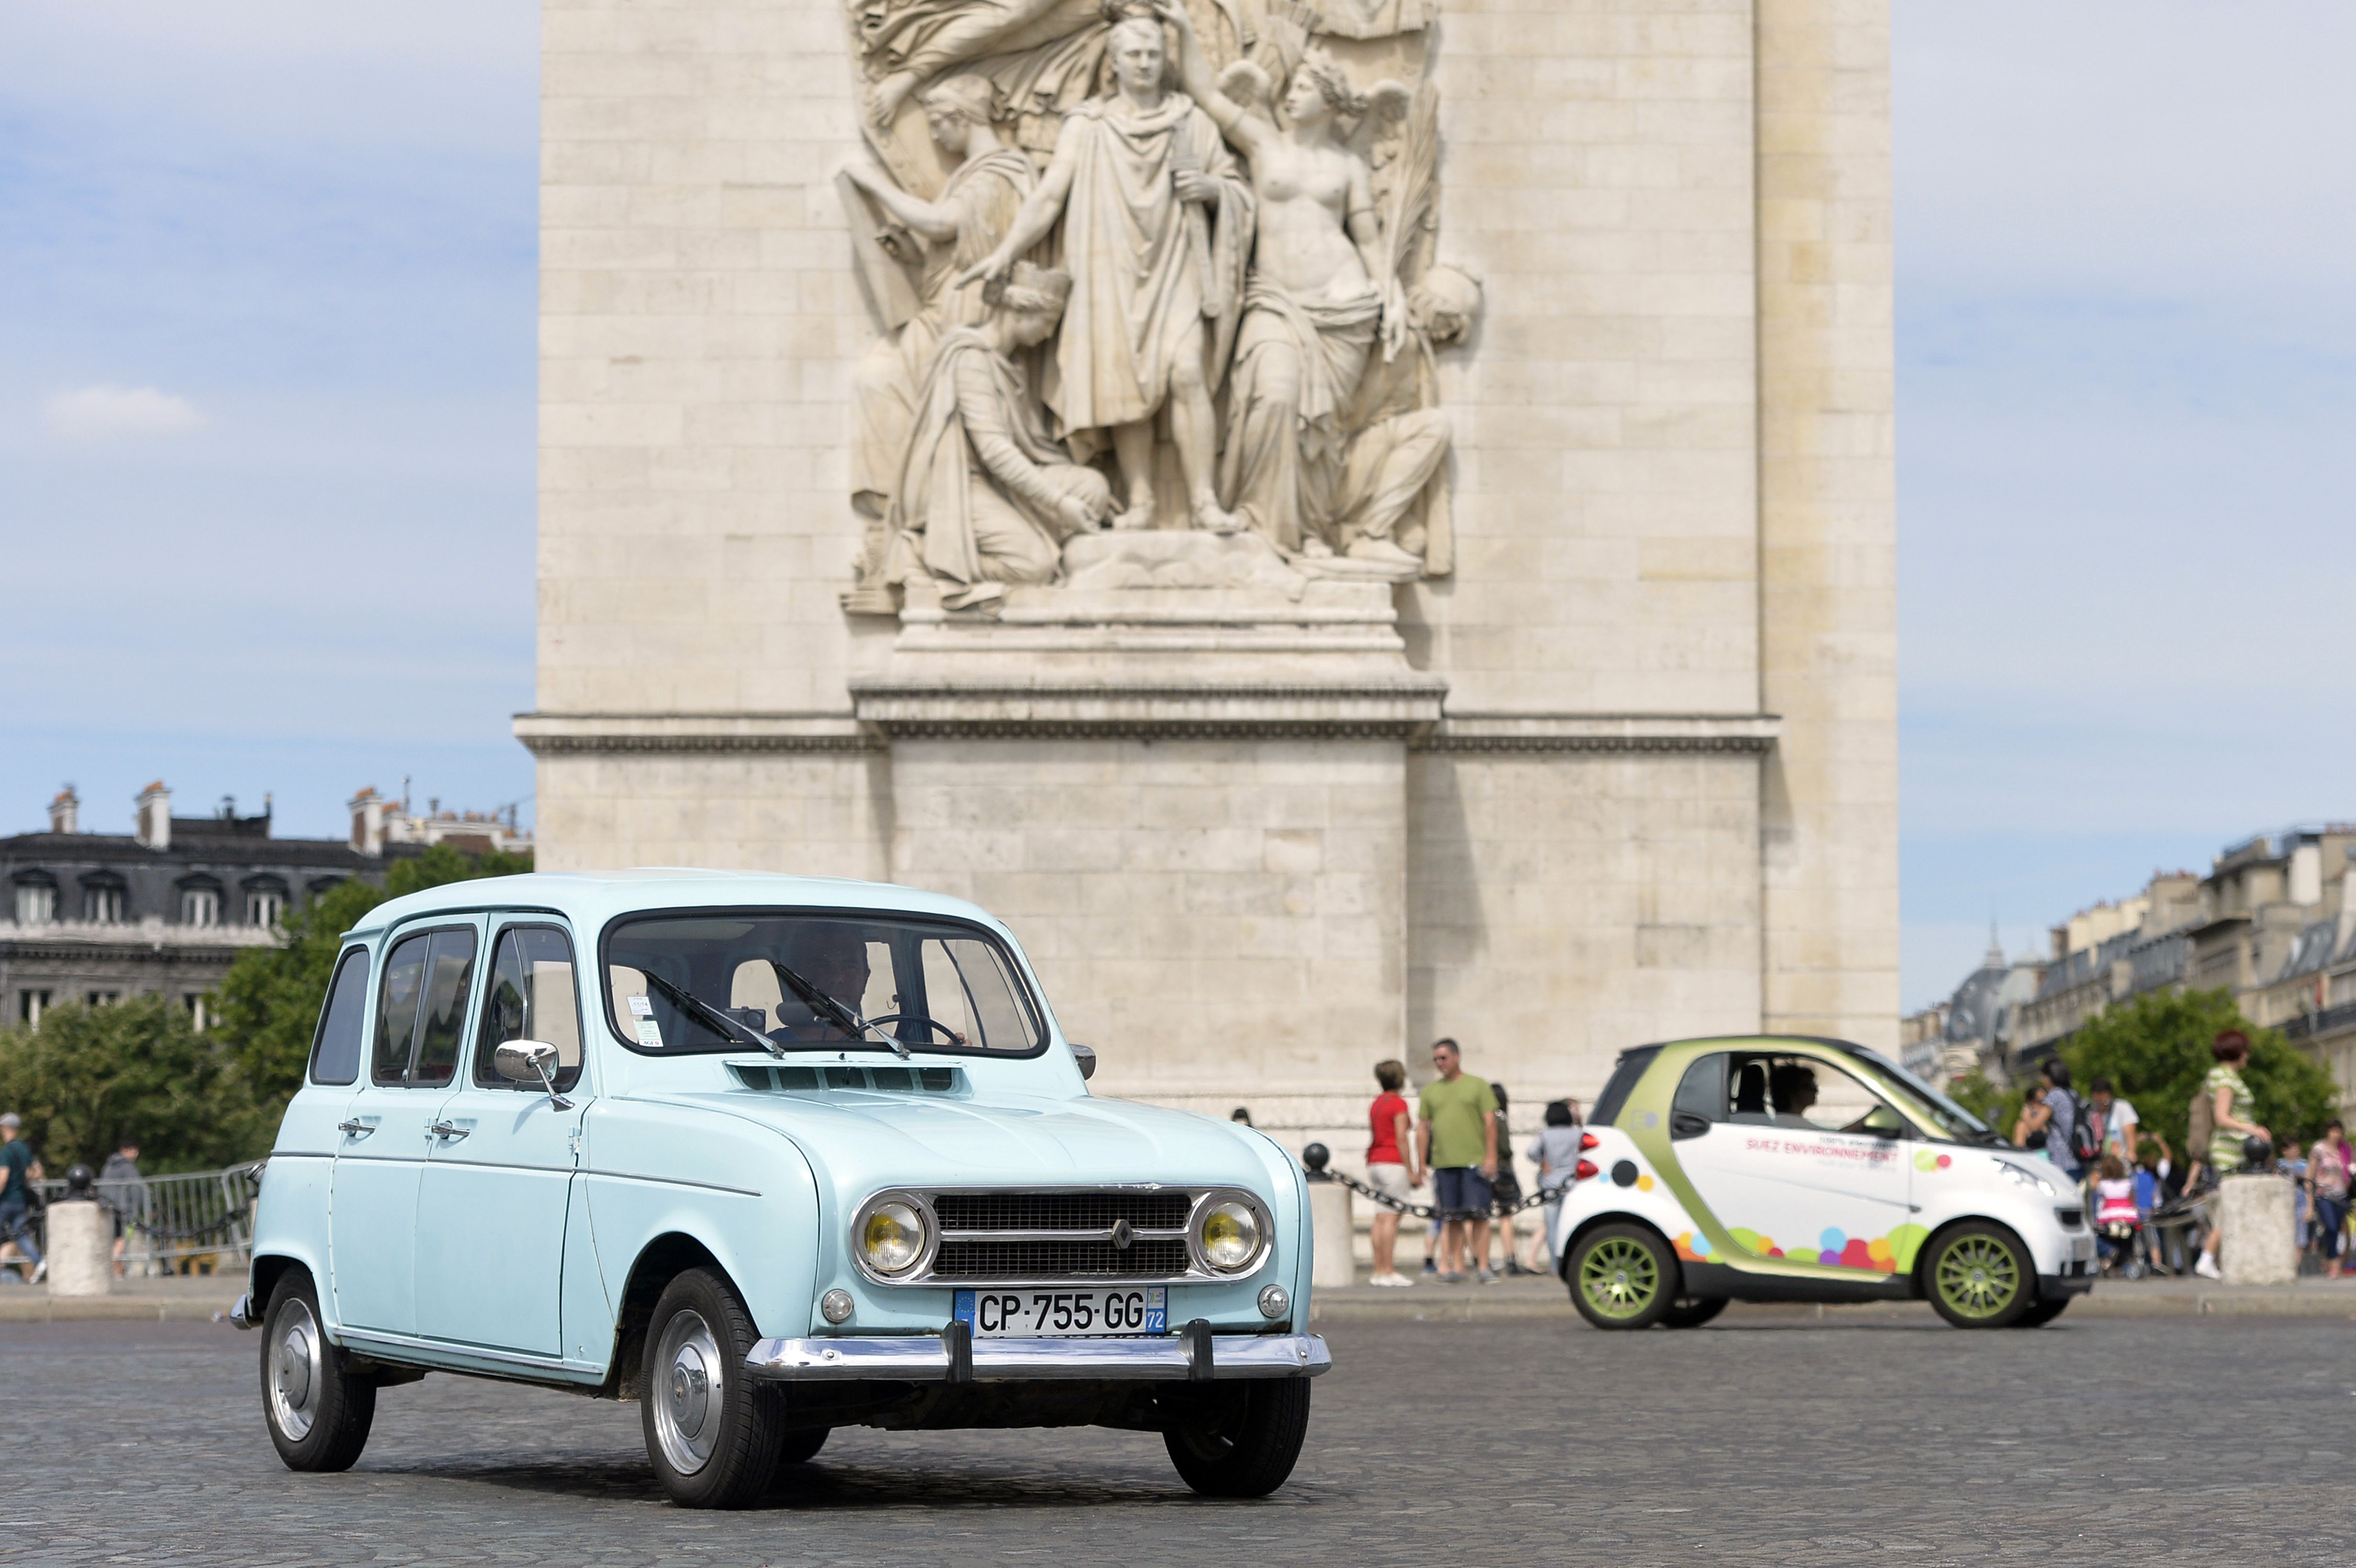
115,414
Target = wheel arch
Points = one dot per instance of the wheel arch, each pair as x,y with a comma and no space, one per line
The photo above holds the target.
268,1268
663,1259
1920,1272
1617,1217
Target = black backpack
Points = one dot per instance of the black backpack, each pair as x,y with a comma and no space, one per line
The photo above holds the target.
2085,1136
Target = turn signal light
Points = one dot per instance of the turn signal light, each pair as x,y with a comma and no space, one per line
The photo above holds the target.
1588,1141
1582,1171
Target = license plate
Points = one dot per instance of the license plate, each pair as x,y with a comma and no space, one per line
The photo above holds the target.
1065,1314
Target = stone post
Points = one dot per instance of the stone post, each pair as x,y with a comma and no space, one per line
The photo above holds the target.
81,1254
2258,1230
1331,1225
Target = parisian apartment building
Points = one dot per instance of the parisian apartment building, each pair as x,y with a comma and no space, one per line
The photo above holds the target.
2274,921
97,917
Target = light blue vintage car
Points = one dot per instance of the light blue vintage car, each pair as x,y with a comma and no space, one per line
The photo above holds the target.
769,1155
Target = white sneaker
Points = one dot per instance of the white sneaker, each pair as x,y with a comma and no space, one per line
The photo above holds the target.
40,1271
1393,1280
2207,1267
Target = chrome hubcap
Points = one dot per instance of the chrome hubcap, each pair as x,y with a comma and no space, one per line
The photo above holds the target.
294,1374
687,1392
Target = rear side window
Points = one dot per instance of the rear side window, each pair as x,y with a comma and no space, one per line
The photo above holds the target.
335,1054
1622,1085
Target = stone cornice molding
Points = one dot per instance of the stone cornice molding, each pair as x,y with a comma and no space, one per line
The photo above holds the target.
1408,710
1752,734
609,734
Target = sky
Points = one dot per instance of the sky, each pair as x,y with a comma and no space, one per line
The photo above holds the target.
266,424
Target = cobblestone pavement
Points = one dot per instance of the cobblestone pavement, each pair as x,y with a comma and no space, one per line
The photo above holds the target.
1781,1438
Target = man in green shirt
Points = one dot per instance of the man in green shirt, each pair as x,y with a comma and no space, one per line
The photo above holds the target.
1456,1128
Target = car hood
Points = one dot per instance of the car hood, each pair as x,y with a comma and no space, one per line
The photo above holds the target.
857,1141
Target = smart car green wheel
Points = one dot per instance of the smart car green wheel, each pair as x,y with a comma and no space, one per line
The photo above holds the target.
1980,1276
1622,1277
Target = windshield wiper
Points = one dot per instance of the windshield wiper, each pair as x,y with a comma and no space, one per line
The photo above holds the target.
834,1012
711,1017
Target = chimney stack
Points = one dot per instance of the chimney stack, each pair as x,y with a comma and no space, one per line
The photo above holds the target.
153,821
367,822
65,812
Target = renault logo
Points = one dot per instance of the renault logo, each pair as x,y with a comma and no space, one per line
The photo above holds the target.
1120,1234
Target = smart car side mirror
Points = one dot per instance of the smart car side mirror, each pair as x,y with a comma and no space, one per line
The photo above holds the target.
530,1062
1087,1057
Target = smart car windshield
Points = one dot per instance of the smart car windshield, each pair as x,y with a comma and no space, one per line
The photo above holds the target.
828,980
1943,1112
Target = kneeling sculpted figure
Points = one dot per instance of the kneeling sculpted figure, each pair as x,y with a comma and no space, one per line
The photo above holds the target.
986,496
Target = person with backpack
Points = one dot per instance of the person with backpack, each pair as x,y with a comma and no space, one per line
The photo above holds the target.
2233,1110
2074,1137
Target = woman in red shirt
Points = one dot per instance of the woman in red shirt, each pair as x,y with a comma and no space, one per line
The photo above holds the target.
1390,1165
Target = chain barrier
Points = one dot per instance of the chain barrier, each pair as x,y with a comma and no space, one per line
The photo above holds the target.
1314,1158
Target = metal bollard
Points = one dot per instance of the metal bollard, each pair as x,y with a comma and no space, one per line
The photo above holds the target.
1330,1220
81,1249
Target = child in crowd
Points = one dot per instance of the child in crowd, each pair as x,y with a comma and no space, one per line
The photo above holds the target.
2117,1217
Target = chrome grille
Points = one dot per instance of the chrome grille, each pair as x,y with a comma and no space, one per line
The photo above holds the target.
1062,1210
1034,1237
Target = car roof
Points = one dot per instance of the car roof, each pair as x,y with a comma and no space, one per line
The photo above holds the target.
1737,1041
590,899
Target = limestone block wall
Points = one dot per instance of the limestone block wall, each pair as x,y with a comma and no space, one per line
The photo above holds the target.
1827,541
697,314
1218,918
1563,907
824,814
1597,172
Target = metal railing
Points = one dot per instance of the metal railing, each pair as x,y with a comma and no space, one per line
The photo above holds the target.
178,1224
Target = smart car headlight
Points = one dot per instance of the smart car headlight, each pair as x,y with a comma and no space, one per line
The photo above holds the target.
1228,1235
2028,1179
892,1237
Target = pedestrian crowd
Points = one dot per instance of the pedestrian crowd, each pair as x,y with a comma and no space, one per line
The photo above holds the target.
121,1190
2155,1214
1459,1139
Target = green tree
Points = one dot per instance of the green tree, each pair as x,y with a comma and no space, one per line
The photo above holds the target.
89,1078
2154,1051
1997,1108
270,999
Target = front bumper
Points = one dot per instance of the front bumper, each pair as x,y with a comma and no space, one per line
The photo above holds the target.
2060,1287
947,1358
243,1314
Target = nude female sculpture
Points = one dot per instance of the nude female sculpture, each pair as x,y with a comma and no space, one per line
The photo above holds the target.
1311,305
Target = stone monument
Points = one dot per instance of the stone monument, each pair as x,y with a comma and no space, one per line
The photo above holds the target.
1343,523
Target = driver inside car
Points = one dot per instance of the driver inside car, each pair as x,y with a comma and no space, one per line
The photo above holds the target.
1793,1089
834,959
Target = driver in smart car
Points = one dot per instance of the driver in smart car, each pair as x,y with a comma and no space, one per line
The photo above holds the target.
1792,1088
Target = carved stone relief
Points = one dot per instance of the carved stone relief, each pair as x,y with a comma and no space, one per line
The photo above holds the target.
1146,267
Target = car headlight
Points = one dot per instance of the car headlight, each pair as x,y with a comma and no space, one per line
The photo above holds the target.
1228,1235
2030,1179
892,1237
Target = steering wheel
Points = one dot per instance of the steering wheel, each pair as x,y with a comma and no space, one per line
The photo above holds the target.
930,1022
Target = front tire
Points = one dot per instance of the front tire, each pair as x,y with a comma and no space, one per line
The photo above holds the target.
1693,1311
712,1432
1244,1444
1980,1276
1622,1277
318,1413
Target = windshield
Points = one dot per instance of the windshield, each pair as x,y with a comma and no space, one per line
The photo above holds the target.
931,985
1929,1103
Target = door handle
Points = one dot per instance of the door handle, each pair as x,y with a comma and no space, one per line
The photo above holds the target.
448,1130
357,1129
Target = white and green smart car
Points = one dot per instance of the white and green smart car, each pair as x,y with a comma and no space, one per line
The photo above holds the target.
1785,1169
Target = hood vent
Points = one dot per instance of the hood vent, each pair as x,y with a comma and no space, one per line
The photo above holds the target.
796,1079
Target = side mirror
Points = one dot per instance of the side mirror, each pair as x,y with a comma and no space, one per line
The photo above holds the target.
530,1062
1087,1057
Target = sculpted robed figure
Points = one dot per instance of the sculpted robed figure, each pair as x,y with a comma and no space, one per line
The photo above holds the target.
1157,222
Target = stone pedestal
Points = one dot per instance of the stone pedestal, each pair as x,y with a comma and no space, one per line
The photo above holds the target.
2257,1220
1336,1263
81,1254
